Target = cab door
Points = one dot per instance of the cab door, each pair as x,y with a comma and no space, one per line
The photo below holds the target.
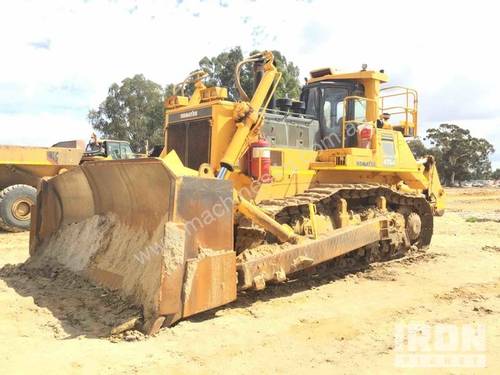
325,102
331,115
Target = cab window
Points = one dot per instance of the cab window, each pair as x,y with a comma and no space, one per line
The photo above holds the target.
113,149
360,110
333,107
388,149
126,151
340,112
312,105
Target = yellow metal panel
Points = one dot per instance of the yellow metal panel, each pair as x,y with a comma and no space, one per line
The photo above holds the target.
174,163
292,177
355,165
21,155
295,183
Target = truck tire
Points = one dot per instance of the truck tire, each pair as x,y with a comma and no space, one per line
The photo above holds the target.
15,207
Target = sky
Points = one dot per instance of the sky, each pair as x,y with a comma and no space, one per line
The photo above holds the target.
59,57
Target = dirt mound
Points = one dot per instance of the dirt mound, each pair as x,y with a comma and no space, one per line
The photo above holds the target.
81,307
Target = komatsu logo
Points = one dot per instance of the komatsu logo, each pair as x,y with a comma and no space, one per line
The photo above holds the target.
361,163
188,114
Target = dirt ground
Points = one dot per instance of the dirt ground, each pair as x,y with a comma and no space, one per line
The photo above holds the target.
323,323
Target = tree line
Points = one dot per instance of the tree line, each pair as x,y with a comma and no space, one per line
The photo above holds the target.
459,156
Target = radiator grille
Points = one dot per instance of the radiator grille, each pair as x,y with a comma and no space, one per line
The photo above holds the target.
191,141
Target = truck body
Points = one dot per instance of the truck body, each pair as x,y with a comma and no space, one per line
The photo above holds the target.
23,167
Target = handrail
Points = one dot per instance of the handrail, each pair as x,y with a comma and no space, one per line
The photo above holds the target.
196,75
409,109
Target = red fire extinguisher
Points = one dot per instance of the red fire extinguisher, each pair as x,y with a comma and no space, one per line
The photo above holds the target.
365,133
259,157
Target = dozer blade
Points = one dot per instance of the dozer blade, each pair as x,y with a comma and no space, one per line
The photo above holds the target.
164,241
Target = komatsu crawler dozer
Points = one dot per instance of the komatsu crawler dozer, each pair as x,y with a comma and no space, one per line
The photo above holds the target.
245,193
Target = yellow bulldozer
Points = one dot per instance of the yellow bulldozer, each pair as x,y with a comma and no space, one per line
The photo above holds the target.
245,193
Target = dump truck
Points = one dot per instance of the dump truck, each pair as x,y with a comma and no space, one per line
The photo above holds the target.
245,193
23,167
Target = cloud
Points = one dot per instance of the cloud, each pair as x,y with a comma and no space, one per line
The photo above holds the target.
313,36
41,44
42,129
60,57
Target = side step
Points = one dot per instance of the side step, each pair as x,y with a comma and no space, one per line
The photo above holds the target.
256,272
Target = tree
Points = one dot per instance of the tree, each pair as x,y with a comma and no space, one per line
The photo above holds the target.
132,111
461,156
221,69
418,148
169,90
289,85
496,174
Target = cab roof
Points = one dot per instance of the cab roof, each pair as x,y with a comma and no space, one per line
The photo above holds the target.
331,74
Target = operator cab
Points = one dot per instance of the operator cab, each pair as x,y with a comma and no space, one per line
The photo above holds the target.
116,150
345,104
325,102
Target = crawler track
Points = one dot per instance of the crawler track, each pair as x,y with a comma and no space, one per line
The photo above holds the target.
360,198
